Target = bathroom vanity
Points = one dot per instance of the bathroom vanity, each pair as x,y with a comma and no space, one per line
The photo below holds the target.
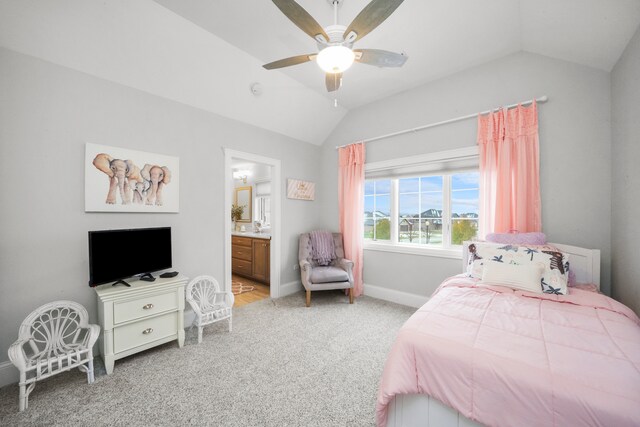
251,255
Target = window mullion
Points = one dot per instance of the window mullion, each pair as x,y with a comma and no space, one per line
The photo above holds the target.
446,211
395,186
373,214
420,211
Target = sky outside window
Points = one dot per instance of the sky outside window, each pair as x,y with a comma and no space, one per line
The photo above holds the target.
465,193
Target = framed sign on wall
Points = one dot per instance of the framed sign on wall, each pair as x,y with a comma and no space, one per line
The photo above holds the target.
301,190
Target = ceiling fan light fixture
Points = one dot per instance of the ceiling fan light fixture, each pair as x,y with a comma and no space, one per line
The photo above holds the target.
335,59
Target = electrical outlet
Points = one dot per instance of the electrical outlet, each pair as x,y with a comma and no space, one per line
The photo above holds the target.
295,267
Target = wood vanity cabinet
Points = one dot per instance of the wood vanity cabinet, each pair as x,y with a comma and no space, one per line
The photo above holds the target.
241,255
251,258
261,260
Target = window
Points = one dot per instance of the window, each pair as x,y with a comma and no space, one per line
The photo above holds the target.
465,196
438,211
420,203
377,210
263,210
263,202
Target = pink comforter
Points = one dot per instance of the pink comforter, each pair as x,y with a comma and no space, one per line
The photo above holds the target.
510,358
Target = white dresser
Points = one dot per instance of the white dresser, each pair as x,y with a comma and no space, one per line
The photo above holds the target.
140,317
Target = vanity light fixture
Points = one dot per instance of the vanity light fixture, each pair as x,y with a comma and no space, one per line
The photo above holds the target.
242,174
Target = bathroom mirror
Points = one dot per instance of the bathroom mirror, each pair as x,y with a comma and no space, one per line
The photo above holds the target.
243,198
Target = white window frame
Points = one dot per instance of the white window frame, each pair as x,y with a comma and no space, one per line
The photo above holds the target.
418,162
262,206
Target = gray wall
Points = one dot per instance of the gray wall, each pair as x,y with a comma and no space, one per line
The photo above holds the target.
575,151
625,206
47,114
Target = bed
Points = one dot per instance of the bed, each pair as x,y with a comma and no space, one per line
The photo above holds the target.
440,374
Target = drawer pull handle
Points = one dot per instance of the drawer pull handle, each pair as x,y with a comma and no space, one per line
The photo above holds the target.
147,331
147,306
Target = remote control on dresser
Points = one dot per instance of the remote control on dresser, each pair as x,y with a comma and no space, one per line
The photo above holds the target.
169,274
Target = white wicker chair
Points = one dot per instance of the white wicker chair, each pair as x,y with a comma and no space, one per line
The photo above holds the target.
54,338
209,304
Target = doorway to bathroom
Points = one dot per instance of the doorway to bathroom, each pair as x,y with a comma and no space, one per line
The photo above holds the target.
252,226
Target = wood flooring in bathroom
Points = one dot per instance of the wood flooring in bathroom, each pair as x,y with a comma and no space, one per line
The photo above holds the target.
259,292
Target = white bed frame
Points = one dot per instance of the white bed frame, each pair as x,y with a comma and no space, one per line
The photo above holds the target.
420,410
585,263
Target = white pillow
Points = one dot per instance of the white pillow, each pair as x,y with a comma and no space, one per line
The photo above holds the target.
526,277
554,262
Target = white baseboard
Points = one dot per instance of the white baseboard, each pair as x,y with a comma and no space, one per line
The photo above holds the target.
8,374
290,288
392,295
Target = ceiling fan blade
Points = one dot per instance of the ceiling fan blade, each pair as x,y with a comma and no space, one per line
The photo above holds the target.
287,62
299,16
369,18
333,81
380,58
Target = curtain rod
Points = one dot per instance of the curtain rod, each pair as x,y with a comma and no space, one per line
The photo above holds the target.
542,99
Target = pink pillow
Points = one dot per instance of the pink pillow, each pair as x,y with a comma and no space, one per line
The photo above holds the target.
572,277
535,238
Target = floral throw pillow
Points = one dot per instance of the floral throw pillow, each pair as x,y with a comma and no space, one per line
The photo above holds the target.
554,262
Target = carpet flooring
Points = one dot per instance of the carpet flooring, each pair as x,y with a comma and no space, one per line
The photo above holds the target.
283,365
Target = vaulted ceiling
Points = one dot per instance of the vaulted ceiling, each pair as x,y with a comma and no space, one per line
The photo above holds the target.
207,53
440,37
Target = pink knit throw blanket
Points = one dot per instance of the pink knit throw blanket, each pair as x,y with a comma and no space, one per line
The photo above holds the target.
322,248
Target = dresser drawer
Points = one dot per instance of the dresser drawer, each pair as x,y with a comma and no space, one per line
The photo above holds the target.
143,307
241,252
241,241
145,331
241,267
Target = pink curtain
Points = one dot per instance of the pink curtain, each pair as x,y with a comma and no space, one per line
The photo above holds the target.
351,206
509,170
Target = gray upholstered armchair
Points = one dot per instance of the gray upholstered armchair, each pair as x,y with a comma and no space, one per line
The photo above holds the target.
337,275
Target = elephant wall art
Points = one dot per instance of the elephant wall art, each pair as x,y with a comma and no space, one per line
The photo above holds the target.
121,180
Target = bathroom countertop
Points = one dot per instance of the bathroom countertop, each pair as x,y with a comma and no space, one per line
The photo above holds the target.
266,236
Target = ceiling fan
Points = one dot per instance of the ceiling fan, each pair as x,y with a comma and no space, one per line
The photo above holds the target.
335,42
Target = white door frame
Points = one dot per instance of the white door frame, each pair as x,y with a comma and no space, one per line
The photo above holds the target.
276,224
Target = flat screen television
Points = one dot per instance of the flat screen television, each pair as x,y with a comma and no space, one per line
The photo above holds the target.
118,254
